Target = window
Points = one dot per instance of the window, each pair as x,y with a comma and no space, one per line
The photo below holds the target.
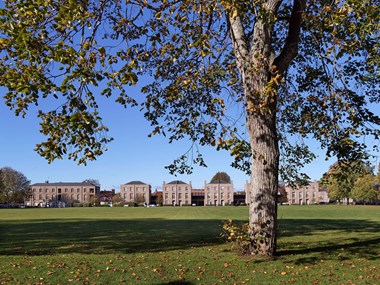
179,195
166,196
84,190
166,188
179,187
72,190
34,190
78,197
186,188
40,190
78,190
186,196
215,188
173,195
65,190
131,196
208,188
222,187
293,195
300,195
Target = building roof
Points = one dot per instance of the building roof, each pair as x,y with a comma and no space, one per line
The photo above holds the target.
197,192
177,182
157,193
63,184
135,183
219,182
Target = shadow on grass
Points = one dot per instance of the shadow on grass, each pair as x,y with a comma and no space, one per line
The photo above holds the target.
65,236
292,227
368,249
44,237
339,239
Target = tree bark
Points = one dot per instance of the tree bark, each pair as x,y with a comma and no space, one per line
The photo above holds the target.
260,71
264,183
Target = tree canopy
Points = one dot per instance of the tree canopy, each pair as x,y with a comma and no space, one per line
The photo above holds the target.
94,182
221,177
14,186
366,189
341,178
75,51
256,78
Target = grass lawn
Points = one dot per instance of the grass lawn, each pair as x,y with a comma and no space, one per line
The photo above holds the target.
164,245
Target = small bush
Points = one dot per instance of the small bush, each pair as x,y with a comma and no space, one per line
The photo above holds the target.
247,238
238,234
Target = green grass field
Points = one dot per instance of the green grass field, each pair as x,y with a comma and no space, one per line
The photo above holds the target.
164,245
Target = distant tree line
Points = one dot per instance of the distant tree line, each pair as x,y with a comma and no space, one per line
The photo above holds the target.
14,186
352,180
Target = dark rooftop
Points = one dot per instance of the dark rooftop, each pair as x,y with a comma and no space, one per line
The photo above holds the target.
64,184
136,183
177,182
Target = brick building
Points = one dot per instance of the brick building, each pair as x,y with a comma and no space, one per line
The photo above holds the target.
219,193
136,192
46,194
106,196
307,194
176,193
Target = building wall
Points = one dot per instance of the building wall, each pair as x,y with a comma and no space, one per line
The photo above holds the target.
219,194
136,191
176,193
306,195
47,193
106,196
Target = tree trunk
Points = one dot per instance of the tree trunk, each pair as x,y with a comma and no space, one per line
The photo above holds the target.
264,181
260,71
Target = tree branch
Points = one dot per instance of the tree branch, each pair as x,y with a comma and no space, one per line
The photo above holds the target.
238,38
290,49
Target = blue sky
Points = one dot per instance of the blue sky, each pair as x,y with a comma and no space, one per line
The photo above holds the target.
131,156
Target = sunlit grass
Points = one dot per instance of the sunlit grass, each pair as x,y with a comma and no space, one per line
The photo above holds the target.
165,245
